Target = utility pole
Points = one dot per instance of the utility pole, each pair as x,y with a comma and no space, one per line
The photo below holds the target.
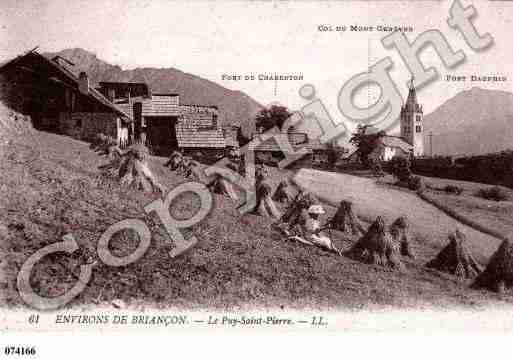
431,143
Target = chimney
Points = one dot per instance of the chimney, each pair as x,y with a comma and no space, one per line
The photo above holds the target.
137,110
83,83
111,94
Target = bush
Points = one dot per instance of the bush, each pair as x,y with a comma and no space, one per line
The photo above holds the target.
453,189
495,193
415,183
400,168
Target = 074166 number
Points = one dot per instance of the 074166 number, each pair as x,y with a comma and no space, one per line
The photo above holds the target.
20,350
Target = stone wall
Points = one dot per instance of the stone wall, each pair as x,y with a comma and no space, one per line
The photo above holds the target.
87,125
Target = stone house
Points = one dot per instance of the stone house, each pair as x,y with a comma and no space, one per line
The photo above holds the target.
395,147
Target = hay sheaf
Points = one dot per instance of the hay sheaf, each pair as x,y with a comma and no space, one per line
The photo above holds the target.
377,246
498,275
265,205
131,169
456,258
399,232
103,144
222,186
302,201
283,194
345,220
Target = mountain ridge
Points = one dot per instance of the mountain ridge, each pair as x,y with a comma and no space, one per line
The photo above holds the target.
473,122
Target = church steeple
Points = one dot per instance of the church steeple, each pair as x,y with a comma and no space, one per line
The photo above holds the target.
412,126
411,103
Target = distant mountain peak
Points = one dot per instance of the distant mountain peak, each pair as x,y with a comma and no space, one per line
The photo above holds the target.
474,121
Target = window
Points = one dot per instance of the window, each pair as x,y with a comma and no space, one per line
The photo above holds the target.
418,117
78,122
418,129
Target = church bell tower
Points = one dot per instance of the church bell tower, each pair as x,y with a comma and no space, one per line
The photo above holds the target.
412,122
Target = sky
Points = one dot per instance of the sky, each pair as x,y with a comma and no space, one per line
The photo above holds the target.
211,39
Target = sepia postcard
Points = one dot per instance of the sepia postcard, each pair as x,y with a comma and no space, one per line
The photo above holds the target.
255,167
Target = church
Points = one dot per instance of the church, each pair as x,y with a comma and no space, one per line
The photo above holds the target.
410,142
412,127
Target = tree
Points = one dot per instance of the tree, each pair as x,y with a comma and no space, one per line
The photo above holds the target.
273,116
335,151
365,142
400,167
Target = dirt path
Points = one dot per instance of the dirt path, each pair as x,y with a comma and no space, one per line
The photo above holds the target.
370,199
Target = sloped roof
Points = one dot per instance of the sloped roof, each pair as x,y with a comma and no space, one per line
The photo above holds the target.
93,93
169,105
134,88
296,140
397,142
197,120
156,105
161,105
198,115
317,145
198,108
193,137
411,102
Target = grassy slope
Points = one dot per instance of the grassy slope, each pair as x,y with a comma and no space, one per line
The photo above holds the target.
429,225
238,263
492,214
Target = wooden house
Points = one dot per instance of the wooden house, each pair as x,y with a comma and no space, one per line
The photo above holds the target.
123,90
198,132
271,153
155,117
165,125
59,101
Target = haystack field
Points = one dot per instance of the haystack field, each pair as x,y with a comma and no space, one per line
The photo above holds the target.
430,225
49,187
